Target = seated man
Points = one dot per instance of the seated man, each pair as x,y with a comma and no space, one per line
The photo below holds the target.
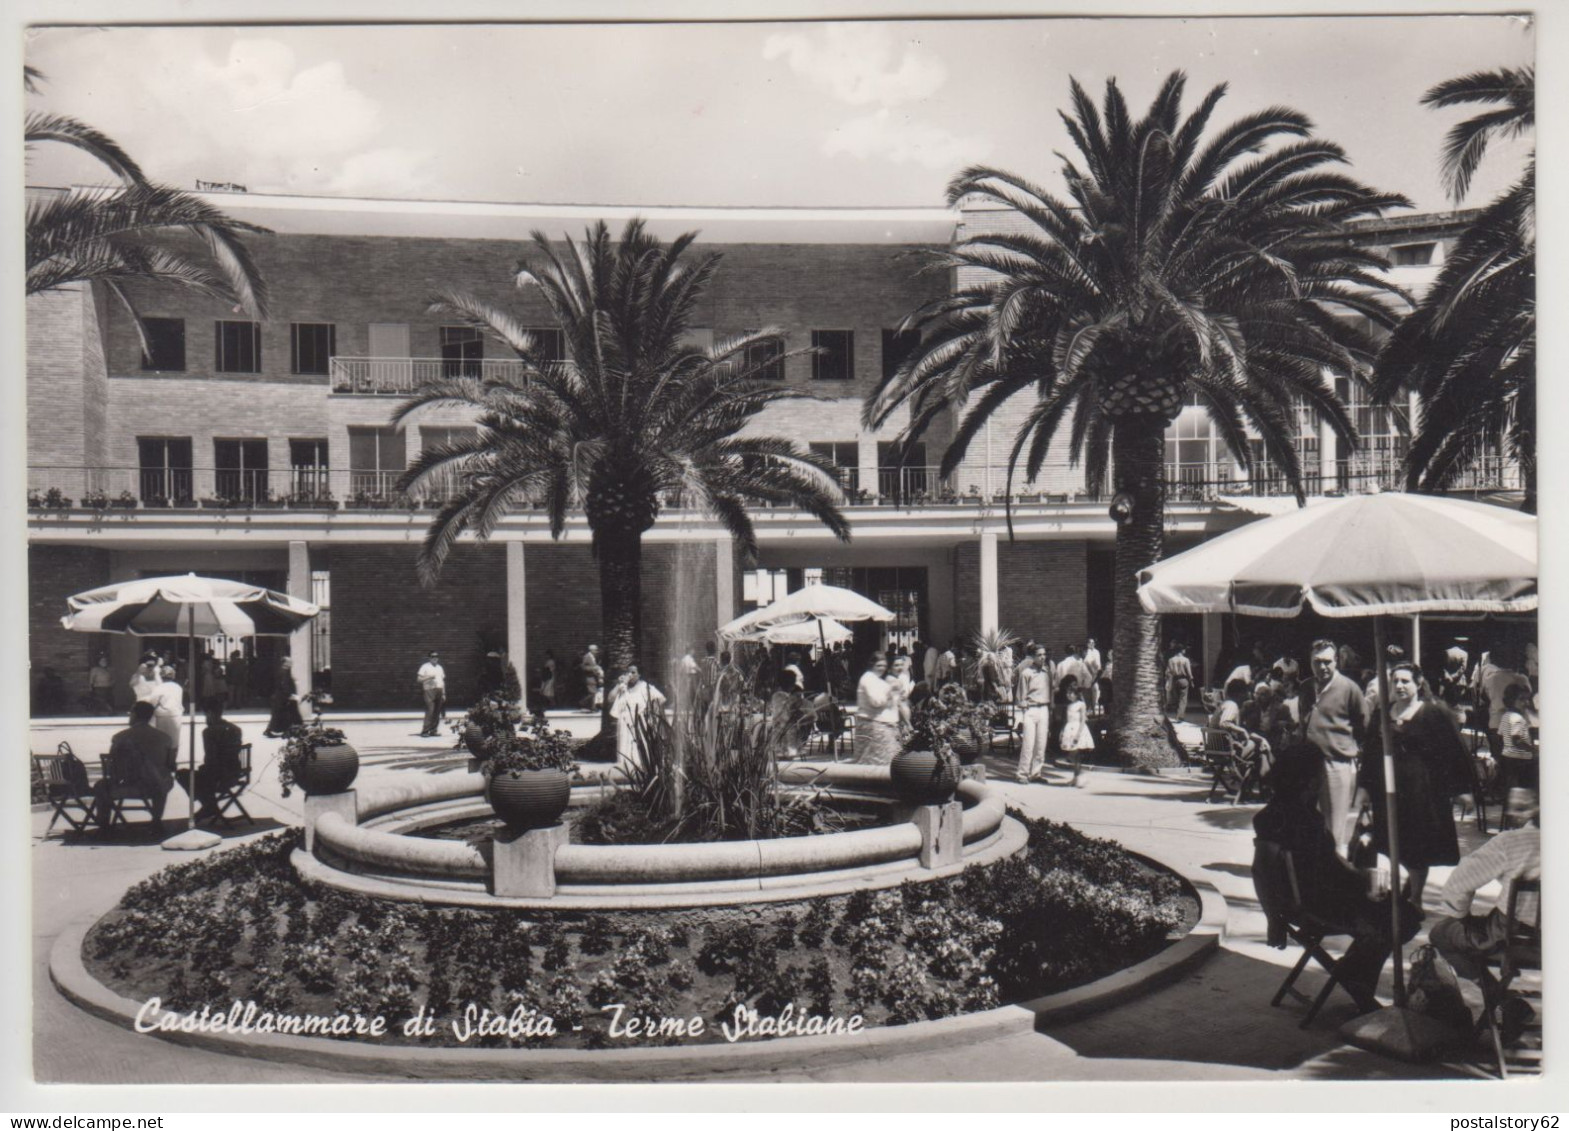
143,758
221,741
1330,887
1467,941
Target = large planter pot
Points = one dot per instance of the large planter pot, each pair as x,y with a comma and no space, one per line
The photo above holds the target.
474,739
529,799
331,770
968,747
922,778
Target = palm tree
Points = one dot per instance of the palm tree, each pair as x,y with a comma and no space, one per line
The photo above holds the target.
116,236
1469,349
1179,268
638,418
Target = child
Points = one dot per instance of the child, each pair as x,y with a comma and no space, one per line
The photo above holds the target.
1076,737
1517,758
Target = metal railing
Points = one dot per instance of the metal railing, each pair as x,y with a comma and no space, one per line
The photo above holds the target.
399,376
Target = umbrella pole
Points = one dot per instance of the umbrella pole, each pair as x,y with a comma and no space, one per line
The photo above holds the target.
190,794
822,658
1387,735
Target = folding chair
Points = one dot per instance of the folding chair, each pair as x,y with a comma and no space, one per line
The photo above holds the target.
1004,722
67,786
1521,952
227,799
828,727
1309,932
124,795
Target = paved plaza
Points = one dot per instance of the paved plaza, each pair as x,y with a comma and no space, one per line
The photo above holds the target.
1214,1024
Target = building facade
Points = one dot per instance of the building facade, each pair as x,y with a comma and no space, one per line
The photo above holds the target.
213,444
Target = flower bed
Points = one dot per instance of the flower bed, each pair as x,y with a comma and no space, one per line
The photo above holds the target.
241,926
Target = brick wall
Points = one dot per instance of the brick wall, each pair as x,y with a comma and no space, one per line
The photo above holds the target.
54,573
1042,590
383,622
679,606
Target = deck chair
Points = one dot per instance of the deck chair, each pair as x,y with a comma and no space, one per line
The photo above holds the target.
67,787
227,799
1521,952
124,796
1303,927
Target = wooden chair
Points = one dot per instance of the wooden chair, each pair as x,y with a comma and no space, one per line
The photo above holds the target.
227,799
124,795
1004,723
67,787
1521,953
828,729
1305,929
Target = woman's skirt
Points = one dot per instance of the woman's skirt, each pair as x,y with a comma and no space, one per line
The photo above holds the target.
875,742
170,725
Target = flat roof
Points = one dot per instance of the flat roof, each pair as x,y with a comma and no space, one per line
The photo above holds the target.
457,219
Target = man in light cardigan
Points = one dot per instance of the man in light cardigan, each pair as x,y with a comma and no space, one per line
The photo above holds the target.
1335,728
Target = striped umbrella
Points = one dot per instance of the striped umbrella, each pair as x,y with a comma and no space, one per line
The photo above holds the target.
188,606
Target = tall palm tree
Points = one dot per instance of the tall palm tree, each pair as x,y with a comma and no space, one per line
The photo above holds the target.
1469,349
1179,267
637,419
115,236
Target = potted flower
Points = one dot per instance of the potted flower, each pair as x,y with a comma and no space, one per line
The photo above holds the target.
529,775
96,500
55,500
489,719
926,771
124,501
318,759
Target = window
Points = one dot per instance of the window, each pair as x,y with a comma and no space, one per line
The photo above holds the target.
910,478
898,345
765,360
241,469
321,630
835,356
311,346
165,343
846,458
308,469
165,469
442,484
550,344
1383,432
376,459
238,347
1412,254
462,350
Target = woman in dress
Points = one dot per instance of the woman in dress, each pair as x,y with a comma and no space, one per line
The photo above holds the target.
1430,770
285,702
169,705
1076,736
637,706
877,714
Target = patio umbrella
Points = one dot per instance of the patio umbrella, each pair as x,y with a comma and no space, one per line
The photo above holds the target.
811,603
817,630
188,606
1365,556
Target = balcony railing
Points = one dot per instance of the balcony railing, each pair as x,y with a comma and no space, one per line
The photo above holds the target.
134,488
400,376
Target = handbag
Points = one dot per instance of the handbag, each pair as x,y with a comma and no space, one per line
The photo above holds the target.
1433,990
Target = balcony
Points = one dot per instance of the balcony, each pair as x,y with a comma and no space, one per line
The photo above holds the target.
400,376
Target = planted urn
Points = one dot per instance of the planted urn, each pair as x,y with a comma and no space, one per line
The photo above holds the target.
529,775
318,759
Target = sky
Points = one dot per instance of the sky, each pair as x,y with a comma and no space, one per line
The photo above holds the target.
747,114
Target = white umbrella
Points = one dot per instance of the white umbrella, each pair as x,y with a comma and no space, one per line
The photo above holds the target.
811,604
818,630
188,606
1366,556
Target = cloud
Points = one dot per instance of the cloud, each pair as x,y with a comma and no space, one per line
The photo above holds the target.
855,64
901,140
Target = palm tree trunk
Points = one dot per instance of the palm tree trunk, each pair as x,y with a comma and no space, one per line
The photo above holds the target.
620,608
1138,715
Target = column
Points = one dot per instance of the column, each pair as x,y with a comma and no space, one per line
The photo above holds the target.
866,450
988,580
1213,629
724,581
517,613
300,640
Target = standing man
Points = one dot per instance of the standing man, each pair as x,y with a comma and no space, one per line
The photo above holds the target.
1092,664
946,670
100,683
1032,694
1179,679
1335,728
929,664
433,683
590,671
